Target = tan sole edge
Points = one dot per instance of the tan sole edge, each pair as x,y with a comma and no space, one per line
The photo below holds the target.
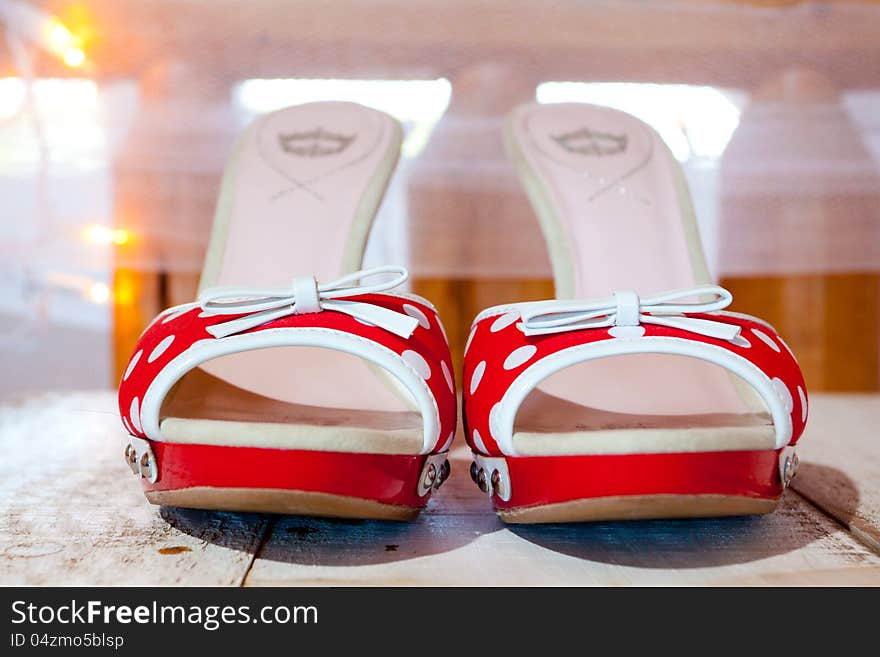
640,507
271,500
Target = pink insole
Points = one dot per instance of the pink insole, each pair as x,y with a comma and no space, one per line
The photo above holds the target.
614,191
304,182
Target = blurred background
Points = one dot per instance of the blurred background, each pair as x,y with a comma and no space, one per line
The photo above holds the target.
116,117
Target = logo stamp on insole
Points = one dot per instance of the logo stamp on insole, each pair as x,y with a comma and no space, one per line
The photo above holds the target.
591,142
314,143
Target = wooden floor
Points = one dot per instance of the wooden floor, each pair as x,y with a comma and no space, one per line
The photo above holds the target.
71,513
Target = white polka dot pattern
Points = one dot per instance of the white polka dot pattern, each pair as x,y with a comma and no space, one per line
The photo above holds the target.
493,417
163,341
416,361
520,356
766,339
803,397
504,321
160,348
134,414
783,394
506,355
448,376
478,442
132,364
477,376
467,345
448,443
415,313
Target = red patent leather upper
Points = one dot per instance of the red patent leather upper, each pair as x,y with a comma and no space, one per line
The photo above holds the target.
175,331
498,352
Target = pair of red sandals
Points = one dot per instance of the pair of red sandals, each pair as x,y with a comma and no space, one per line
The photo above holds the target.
600,404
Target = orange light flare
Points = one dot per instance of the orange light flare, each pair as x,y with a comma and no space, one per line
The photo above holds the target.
74,57
65,42
105,235
124,293
98,293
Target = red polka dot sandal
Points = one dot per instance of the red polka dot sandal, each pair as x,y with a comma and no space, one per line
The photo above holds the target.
613,401
320,396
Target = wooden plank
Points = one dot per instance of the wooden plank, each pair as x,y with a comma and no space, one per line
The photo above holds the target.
459,301
840,462
831,357
72,513
458,541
